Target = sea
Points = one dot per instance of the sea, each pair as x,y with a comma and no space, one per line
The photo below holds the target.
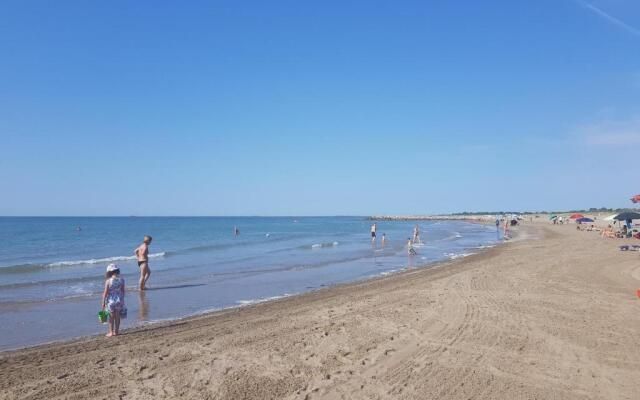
52,268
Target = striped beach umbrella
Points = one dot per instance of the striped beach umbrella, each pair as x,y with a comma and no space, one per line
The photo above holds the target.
636,199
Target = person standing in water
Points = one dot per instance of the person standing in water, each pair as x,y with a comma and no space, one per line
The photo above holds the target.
236,231
506,228
416,234
384,239
373,232
410,248
142,254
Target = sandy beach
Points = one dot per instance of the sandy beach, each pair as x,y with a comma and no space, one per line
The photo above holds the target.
554,316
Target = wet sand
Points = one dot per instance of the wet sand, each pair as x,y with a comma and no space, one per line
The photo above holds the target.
551,317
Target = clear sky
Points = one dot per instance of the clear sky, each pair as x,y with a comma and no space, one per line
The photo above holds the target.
317,108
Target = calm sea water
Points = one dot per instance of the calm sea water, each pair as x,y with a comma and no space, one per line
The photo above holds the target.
52,269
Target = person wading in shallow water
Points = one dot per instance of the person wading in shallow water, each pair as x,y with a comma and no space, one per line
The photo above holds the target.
142,254
416,235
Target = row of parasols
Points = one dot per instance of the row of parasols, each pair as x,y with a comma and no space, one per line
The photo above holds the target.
623,216
577,217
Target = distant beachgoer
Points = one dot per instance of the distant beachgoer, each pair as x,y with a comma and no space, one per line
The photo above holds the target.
78,228
236,231
410,248
497,223
142,254
373,232
416,234
506,228
384,239
113,298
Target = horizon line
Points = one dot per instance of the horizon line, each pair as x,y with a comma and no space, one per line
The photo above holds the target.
322,215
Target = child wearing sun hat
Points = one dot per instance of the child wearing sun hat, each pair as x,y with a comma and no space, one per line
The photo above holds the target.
113,298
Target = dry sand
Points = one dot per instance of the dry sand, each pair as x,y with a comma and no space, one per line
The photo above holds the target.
553,317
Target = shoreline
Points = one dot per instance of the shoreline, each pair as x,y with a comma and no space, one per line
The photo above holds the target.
213,312
216,271
528,319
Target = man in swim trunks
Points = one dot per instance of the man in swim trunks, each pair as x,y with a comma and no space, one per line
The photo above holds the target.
373,232
142,254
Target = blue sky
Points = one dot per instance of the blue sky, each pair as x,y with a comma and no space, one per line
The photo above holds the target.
317,108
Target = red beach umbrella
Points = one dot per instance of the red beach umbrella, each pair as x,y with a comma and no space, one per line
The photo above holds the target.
636,198
576,216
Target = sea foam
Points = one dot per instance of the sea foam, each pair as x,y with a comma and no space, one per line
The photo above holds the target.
101,260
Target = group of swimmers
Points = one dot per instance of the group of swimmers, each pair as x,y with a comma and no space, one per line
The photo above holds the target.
411,241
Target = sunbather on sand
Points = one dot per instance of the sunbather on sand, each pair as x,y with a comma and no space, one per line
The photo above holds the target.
608,232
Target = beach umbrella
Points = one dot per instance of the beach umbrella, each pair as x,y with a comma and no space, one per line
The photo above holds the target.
553,216
627,215
576,216
584,219
636,199
611,217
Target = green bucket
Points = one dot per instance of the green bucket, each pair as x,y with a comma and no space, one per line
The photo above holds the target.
103,316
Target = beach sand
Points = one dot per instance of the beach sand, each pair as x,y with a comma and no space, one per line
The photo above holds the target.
551,317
